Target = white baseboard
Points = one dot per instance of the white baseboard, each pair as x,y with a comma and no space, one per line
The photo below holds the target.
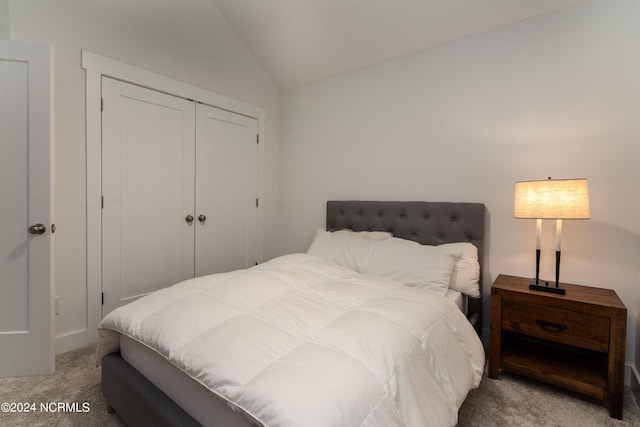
632,379
75,340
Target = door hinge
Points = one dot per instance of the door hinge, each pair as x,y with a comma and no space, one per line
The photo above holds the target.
256,203
101,104
102,202
102,298
258,139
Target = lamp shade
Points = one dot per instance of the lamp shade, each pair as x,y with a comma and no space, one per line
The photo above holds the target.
552,199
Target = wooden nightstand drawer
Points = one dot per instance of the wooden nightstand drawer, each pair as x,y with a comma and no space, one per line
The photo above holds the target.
563,326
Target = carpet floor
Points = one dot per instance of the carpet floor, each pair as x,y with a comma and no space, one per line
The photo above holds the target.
510,401
513,400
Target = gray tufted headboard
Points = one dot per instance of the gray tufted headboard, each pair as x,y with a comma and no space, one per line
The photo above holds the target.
428,223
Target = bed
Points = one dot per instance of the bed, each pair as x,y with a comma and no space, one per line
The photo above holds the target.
145,388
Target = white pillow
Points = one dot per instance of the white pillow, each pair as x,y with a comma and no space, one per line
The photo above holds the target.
466,274
412,264
335,248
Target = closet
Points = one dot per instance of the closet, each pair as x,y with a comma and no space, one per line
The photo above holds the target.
179,191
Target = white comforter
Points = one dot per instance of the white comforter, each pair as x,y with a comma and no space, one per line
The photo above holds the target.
299,342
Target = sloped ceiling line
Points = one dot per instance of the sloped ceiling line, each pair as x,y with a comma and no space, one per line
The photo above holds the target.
302,41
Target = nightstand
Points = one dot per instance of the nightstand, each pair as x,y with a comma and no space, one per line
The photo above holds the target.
576,341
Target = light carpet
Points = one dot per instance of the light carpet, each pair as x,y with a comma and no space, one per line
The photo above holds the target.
512,400
509,401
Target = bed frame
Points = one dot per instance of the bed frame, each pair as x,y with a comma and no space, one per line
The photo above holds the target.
139,403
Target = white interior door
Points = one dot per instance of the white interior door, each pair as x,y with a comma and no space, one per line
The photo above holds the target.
26,264
148,160
226,190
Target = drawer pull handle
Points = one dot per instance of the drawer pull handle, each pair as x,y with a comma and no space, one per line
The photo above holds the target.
551,326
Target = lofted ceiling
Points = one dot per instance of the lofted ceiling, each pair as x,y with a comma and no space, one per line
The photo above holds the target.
303,41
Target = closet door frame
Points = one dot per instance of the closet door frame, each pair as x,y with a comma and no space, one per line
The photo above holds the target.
97,66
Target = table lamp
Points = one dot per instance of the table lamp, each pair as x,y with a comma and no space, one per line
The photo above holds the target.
551,199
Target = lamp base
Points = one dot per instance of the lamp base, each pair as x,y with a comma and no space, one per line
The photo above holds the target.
546,288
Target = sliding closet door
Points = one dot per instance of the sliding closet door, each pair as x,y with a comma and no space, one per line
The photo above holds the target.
148,141
226,190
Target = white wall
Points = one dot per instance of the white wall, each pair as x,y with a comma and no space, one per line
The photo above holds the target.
557,95
4,19
187,40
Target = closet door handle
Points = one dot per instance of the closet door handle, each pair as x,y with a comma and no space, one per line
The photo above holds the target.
202,218
189,218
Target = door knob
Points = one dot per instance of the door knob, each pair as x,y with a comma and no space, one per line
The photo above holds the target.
189,218
37,229
202,218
